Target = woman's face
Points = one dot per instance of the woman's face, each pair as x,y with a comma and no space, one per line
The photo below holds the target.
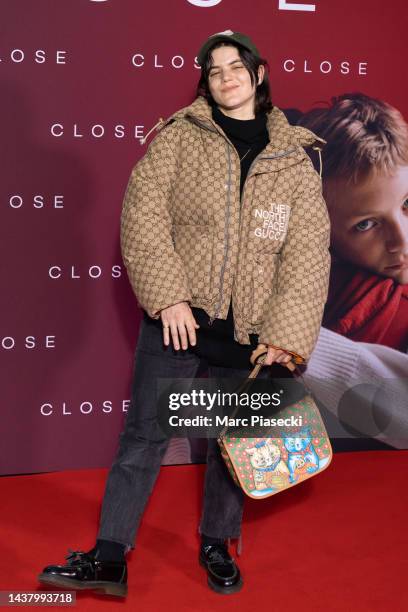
230,83
369,222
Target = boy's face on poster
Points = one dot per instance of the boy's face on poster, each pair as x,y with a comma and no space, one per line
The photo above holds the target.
369,222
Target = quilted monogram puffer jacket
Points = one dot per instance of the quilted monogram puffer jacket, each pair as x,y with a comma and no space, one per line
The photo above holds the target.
186,235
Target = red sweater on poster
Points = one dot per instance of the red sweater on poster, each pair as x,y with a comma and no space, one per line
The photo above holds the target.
367,307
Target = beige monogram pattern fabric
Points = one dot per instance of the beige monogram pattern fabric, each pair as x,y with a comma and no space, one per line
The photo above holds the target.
186,236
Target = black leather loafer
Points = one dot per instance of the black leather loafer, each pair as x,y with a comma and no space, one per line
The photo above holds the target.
223,575
84,571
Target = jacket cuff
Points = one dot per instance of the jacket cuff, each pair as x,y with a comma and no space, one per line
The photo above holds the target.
154,313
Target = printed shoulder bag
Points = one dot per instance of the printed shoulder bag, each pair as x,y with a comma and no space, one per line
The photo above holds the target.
264,466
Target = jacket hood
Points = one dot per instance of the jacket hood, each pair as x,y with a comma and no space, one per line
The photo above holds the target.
281,133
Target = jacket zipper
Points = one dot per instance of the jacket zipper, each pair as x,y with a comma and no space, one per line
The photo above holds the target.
212,319
226,239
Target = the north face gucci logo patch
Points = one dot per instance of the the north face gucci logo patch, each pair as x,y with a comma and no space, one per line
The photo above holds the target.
273,223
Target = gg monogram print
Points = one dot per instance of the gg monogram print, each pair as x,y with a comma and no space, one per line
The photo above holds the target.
186,235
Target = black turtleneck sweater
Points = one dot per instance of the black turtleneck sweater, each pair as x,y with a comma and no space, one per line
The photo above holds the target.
216,342
249,137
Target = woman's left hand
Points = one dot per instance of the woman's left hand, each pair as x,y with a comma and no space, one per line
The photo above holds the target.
275,355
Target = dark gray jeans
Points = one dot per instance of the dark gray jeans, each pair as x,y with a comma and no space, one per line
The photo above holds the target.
142,445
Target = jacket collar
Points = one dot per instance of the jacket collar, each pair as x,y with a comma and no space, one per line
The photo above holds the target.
286,141
282,135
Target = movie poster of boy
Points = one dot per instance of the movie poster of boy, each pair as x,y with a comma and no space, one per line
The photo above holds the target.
365,186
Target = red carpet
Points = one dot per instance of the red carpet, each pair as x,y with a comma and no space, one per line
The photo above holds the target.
337,542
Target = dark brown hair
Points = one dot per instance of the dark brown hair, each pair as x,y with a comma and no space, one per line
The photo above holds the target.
263,102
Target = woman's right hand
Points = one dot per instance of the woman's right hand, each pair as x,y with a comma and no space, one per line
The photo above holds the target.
179,323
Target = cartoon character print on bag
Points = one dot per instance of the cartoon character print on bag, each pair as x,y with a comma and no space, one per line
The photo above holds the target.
267,465
302,456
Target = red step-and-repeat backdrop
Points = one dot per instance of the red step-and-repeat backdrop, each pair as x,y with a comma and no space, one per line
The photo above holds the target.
81,82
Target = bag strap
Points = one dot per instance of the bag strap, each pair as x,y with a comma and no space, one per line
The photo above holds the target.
257,358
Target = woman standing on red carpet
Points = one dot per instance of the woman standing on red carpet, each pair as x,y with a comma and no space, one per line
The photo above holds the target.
225,236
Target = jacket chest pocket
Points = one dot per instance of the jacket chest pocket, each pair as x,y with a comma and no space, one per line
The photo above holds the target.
194,245
263,284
